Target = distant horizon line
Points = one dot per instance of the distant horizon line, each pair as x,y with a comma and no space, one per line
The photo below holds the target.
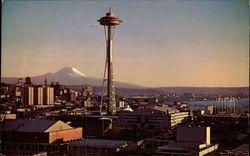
139,85
145,87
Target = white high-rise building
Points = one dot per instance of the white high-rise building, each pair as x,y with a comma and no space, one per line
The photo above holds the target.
48,95
28,96
38,95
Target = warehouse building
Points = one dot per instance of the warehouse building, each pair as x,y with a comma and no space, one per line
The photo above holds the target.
27,135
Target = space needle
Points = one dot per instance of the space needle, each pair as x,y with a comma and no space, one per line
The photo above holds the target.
109,22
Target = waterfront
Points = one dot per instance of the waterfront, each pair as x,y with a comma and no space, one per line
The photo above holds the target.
242,102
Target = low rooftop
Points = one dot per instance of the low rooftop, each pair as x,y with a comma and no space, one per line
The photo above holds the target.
100,143
166,109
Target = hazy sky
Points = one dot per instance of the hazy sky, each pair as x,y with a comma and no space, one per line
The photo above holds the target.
159,43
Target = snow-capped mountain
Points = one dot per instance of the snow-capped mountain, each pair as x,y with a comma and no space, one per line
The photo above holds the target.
68,76
69,71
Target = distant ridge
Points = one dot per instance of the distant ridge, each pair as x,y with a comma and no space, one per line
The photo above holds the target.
68,76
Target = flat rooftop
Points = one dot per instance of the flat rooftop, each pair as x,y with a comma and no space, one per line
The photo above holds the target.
180,145
100,143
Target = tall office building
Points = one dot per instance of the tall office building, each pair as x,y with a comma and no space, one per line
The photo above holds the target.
28,81
48,95
57,88
28,95
38,95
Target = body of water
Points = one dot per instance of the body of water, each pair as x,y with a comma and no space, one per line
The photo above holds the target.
243,102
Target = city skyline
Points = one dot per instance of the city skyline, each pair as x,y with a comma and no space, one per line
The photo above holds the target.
162,43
